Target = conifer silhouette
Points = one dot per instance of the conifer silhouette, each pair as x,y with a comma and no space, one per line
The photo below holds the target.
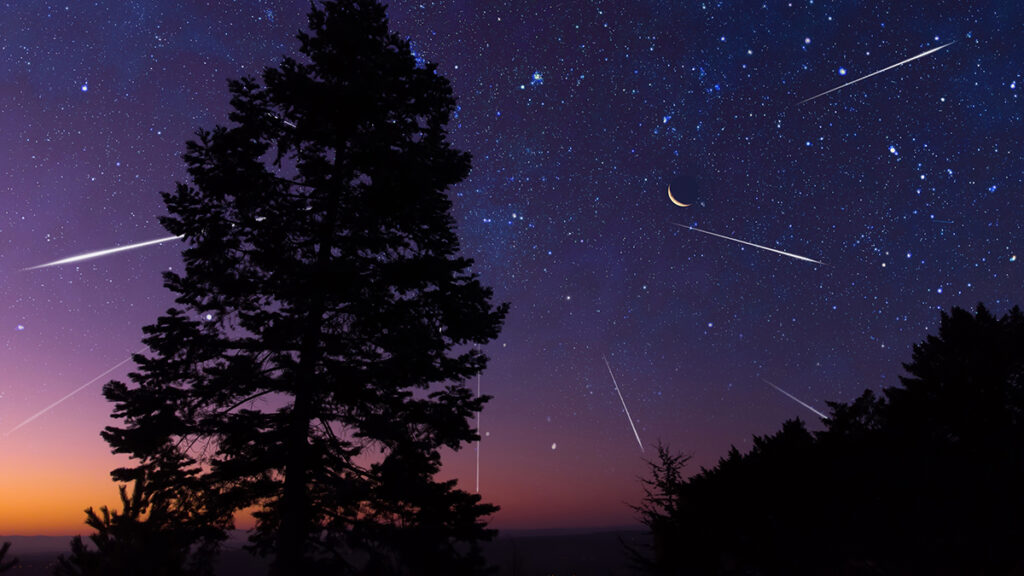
6,565
316,360
148,536
924,479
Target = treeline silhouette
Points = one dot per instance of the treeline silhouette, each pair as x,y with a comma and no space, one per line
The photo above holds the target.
926,478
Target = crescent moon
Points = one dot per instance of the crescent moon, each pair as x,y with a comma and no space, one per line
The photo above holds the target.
674,201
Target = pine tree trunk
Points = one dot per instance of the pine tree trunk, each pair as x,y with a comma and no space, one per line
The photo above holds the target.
291,538
296,516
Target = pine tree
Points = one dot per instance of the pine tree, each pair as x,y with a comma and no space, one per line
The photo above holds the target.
887,487
658,510
9,564
315,362
146,538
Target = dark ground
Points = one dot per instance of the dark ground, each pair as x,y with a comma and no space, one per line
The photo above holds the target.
589,554
516,553
231,563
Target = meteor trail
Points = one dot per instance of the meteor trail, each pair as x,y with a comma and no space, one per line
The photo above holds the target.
100,253
30,419
630,418
284,121
798,257
921,55
823,417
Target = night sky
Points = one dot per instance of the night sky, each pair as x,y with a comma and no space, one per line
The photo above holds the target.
906,185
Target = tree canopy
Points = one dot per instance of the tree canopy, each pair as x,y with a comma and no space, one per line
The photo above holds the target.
924,479
325,325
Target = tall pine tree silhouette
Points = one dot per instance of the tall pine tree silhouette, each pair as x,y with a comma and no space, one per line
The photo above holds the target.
316,360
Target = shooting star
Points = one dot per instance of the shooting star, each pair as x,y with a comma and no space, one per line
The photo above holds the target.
798,257
101,253
32,418
912,58
630,418
284,121
797,400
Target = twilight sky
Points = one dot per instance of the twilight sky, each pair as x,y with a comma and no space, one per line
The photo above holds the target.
578,114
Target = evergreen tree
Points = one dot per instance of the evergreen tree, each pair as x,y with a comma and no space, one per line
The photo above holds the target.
316,360
958,423
657,512
924,479
147,538
6,565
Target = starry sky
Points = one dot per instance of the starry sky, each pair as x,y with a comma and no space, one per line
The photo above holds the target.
906,185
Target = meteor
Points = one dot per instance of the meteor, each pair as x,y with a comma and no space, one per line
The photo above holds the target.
30,419
630,418
912,58
284,121
798,257
101,253
797,400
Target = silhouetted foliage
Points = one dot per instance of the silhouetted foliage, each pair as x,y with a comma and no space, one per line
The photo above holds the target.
148,537
315,363
6,565
925,479
661,499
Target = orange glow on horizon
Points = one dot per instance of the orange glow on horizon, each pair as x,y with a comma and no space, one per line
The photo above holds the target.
51,471
45,489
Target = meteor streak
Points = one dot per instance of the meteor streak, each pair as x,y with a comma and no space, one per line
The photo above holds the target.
798,257
797,400
284,121
630,418
921,55
30,419
100,253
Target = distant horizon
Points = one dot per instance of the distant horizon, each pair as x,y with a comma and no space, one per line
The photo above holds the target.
44,543
558,530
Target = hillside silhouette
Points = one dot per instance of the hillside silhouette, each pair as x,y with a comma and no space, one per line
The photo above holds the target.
925,478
